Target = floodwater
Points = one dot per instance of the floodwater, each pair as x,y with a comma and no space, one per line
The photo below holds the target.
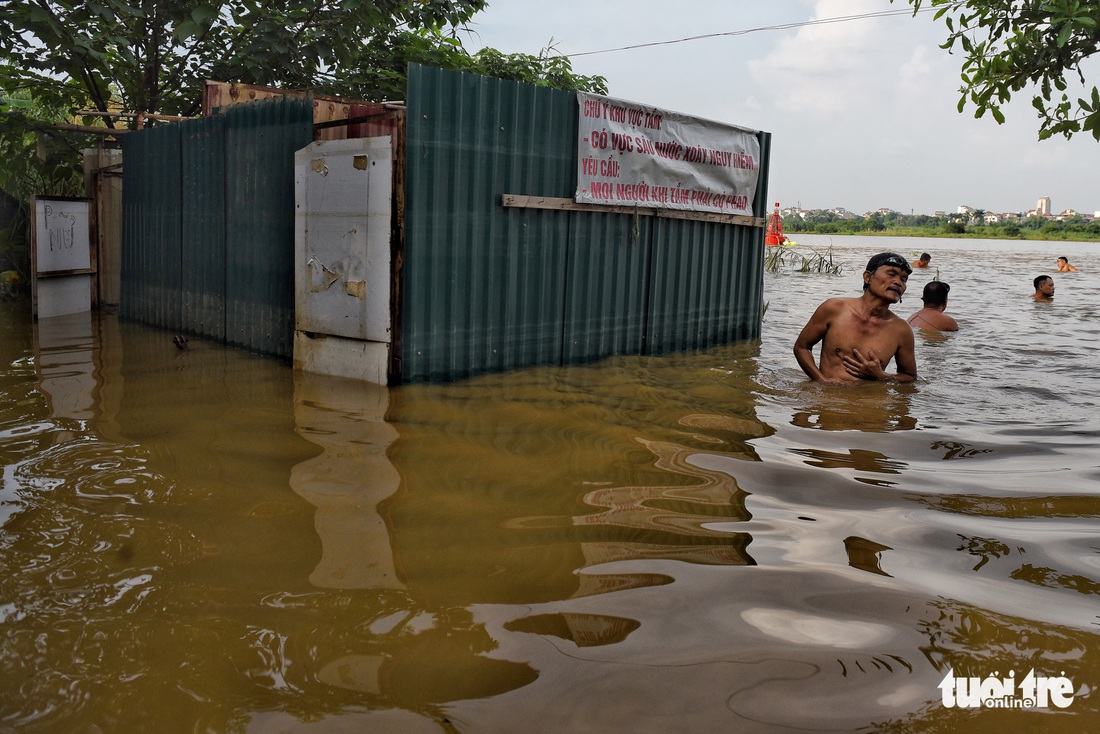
203,541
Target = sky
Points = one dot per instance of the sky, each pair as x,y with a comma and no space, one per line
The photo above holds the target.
863,113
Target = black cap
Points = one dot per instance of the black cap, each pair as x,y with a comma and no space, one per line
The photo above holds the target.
888,258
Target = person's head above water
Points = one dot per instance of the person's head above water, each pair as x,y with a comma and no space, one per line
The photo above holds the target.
935,293
890,259
1044,288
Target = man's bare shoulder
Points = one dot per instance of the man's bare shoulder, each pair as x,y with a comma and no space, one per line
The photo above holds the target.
930,318
833,305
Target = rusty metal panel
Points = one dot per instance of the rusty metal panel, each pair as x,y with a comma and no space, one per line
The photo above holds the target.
482,288
260,142
203,227
151,248
327,111
216,95
384,121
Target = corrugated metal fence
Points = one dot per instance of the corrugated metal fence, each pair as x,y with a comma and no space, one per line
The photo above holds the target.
208,234
208,224
488,288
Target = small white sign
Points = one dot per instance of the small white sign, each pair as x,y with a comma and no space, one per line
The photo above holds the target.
62,235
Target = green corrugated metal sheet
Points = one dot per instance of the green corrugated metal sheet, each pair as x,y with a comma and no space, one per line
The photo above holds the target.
482,289
261,139
486,288
607,286
208,224
203,207
151,249
704,293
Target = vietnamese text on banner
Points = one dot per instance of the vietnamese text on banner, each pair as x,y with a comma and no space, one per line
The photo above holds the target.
634,155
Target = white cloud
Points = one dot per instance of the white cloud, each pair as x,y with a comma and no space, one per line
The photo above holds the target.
824,68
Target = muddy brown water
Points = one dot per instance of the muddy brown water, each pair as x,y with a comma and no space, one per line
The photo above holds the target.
205,541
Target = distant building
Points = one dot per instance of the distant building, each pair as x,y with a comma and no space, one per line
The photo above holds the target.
1043,207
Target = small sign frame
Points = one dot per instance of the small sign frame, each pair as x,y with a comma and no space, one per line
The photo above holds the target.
63,255
62,241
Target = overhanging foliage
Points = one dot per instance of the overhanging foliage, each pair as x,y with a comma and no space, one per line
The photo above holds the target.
1010,45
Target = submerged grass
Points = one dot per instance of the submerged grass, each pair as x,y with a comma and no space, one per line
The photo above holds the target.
783,258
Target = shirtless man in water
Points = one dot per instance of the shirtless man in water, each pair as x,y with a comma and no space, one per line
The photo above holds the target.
932,316
860,336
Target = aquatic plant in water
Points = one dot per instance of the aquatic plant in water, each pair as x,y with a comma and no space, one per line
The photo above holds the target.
781,258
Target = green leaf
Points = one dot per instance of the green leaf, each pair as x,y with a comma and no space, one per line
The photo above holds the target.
37,14
997,115
204,14
187,29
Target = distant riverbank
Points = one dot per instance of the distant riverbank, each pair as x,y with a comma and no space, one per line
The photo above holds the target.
1070,230
974,233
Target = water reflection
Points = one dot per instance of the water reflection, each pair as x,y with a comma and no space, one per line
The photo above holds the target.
66,364
532,493
865,554
584,630
859,459
863,407
201,540
437,655
348,480
445,662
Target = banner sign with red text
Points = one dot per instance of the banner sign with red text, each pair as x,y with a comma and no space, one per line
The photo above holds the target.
635,155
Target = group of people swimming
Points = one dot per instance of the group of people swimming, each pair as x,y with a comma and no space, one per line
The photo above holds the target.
860,336
1044,284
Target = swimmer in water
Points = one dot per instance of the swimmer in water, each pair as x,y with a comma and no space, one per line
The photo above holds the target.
1044,288
932,316
861,336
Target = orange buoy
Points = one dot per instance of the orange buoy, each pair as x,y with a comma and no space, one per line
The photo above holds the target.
773,232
